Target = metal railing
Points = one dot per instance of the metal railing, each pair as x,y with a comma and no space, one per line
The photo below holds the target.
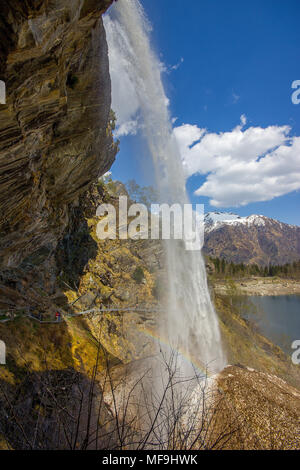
93,311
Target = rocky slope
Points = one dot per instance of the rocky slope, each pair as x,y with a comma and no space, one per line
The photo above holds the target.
263,410
254,239
102,273
239,409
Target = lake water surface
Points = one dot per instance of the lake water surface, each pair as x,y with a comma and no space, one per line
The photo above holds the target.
278,318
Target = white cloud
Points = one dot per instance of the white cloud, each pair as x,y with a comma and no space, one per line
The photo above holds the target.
243,165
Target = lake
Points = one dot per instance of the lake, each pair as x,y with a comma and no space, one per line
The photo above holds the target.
277,318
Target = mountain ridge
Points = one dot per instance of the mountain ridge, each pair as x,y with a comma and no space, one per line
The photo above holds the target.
230,217
252,239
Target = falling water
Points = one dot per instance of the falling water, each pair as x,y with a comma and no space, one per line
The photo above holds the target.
191,326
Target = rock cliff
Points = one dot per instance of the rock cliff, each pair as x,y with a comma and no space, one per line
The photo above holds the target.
55,136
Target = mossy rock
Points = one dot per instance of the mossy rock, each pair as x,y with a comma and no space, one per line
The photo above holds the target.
138,275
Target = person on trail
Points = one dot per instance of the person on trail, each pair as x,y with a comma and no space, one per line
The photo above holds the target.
57,316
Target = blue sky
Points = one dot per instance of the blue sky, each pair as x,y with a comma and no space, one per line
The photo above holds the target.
226,60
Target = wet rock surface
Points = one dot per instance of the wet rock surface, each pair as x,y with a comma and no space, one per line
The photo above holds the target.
55,137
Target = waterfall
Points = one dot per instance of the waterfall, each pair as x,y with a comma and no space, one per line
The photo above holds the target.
191,325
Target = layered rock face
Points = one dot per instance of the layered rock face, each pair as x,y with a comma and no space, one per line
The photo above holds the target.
55,136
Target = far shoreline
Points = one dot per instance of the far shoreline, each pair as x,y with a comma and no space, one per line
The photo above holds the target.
256,286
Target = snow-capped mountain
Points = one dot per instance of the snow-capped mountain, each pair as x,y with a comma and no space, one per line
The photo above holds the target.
215,220
253,239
